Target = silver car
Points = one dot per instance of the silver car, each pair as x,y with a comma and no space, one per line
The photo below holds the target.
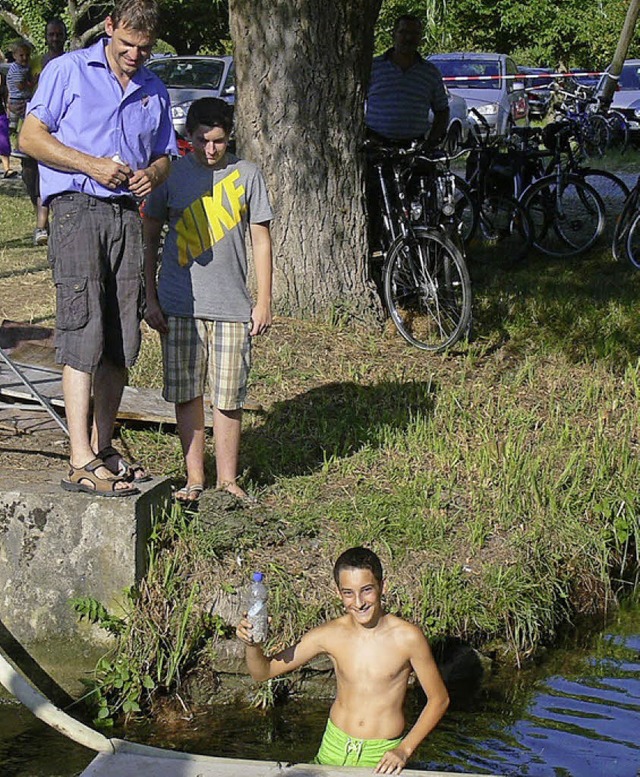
489,83
626,98
189,78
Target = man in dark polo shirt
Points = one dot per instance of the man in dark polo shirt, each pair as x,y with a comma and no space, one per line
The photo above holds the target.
404,87
99,126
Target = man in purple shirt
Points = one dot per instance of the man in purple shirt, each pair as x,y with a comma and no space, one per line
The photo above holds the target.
99,126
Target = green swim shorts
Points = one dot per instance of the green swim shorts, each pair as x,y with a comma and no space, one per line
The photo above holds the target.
339,749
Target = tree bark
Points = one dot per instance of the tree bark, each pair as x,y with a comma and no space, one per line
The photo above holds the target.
301,73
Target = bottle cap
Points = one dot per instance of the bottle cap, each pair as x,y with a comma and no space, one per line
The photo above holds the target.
258,577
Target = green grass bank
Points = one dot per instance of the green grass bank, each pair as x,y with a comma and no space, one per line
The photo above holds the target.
498,482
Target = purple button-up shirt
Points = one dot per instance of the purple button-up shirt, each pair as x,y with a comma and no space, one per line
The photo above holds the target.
83,105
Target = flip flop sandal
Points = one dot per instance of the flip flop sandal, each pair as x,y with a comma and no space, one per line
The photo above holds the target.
96,486
126,470
183,495
10,174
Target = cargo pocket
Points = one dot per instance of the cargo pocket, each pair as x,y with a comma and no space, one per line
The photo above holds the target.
72,302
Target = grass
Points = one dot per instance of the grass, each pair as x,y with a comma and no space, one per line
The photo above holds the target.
498,481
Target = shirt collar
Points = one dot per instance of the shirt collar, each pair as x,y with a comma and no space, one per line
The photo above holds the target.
387,55
97,55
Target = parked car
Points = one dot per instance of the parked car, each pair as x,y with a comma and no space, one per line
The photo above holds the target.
479,79
459,122
189,78
458,130
626,98
537,81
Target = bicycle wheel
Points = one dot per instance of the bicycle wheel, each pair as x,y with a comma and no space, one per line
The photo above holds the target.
504,227
632,242
567,214
466,209
623,224
427,290
618,131
614,192
595,135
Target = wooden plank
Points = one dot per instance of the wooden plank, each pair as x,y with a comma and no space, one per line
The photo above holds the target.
138,404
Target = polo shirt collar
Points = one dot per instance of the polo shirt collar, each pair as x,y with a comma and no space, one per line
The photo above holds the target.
387,55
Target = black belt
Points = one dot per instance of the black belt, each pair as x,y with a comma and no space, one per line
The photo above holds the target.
124,202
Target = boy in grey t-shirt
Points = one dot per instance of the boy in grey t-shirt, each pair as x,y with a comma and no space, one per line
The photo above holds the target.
201,305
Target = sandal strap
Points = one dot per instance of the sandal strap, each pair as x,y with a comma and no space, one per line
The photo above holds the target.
108,452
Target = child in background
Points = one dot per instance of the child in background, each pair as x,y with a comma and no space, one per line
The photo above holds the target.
20,86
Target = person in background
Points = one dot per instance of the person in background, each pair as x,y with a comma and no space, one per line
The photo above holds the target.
19,86
56,36
5,143
373,654
100,127
404,88
202,307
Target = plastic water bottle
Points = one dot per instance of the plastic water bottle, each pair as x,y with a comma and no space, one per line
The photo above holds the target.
257,608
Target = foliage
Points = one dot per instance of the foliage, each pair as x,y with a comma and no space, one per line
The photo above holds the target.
196,26
187,26
162,632
542,33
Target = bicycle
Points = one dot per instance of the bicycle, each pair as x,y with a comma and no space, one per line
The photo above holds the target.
425,281
626,237
566,212
502,222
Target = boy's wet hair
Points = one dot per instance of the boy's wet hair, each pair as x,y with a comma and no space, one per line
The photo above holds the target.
139,15
358,558
210,112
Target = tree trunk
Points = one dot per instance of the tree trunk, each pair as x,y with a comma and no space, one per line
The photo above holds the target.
302,67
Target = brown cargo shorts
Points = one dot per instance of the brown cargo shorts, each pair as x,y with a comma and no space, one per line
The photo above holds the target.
95,251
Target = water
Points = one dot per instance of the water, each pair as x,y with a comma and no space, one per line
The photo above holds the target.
575,714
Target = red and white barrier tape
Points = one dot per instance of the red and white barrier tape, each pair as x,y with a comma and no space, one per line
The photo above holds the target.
527,76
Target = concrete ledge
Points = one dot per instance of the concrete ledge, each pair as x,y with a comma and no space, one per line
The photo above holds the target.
56,545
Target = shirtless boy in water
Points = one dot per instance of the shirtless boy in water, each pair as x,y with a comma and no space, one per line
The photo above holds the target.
373,654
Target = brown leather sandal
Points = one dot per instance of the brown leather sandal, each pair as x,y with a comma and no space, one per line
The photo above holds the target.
127,470
85,480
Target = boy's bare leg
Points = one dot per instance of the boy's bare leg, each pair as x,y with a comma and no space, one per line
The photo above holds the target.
226,430
76,388
190,420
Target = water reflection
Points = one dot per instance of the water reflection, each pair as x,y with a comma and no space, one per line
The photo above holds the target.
577,714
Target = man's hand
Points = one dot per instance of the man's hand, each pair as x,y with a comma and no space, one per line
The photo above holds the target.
155,317
142,182
392,762
260,319
110,173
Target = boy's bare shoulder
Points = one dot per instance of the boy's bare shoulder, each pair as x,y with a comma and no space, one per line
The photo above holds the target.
405,631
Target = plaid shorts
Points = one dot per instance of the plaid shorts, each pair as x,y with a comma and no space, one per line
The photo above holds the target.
195,349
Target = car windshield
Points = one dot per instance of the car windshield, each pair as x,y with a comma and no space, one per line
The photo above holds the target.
630,78
196,74
469,73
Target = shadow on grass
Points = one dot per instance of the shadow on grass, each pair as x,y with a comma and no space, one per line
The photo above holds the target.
585,307
44,265
298,436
